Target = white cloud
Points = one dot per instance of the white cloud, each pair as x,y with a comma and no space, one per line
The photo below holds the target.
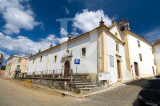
25,46
67,11
63,32
88,20
17,16
152,35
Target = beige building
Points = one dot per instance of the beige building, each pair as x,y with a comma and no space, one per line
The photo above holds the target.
16,64
156,50
1,60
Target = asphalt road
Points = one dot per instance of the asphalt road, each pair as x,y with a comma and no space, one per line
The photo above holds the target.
13,94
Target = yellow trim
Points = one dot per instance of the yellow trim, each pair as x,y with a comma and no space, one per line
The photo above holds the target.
155,60
47,62
83,36
127,51
105,53
102,46
55,60
85,53
119,32
99,52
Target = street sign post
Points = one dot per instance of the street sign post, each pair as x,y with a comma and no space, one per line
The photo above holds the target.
77,62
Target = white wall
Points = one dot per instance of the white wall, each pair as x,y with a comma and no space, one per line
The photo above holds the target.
88,63
114,30
145,66
111,50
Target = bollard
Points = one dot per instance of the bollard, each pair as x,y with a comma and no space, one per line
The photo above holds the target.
53,74
41,74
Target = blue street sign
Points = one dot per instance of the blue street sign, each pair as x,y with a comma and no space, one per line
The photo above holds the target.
76,61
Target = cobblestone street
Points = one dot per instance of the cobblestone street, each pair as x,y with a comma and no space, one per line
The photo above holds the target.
13,94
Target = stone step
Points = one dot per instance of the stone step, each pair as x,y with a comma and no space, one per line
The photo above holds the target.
85,88
84,83
81,86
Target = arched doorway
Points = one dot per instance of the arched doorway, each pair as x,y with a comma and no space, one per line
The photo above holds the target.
136,69
66,69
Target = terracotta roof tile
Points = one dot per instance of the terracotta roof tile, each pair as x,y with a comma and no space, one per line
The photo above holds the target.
157,42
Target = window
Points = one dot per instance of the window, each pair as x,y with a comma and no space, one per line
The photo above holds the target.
18,66
140,57
33,60
139,45
55,58
117,47
41,59
83,51
19,60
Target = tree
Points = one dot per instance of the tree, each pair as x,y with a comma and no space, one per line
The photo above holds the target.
3,67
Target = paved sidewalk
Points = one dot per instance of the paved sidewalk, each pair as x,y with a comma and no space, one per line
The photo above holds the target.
15,94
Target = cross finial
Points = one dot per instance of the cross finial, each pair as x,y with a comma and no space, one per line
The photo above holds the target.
101,23
112,18
69,37
51,45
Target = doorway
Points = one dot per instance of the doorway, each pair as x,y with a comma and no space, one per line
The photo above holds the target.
136,68
66,69
119,70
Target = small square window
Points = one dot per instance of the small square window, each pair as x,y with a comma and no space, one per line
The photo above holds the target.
139,45
140,57
117,47
18,66
55,58
41,59
83,52
19,60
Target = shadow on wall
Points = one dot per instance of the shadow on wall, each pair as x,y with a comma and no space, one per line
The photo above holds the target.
139,82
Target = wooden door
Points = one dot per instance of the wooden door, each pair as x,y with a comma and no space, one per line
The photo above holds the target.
66,70
118,69
136,68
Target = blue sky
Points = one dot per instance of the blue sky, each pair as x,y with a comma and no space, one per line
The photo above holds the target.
29,25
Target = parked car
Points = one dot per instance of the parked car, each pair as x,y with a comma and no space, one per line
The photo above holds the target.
157,76
150,93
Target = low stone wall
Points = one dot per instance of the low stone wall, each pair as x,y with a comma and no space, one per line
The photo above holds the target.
52,83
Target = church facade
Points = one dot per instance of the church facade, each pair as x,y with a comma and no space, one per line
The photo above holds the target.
114,49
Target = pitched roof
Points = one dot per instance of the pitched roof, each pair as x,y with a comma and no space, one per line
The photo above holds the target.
157,42
2,71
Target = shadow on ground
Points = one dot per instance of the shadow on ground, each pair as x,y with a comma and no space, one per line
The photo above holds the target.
139,82
135,103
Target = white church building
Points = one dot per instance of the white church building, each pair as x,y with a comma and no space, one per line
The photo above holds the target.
114,49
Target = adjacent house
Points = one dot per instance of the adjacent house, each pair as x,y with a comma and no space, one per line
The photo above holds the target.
15,64
156,50
114,49
1,60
